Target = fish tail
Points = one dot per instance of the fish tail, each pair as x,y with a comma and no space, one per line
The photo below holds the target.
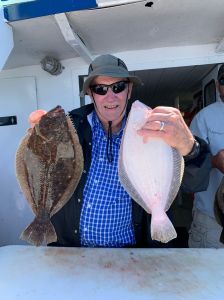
162,229
39,232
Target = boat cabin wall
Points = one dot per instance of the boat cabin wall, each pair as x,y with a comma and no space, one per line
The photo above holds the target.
50,90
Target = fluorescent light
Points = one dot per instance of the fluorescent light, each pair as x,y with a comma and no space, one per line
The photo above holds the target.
102,4
51,65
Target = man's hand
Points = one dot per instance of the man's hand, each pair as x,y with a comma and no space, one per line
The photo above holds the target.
218,161
168,124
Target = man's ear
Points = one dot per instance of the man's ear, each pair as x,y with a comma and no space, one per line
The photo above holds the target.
89,93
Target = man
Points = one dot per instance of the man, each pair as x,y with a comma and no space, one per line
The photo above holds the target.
209,125
101,213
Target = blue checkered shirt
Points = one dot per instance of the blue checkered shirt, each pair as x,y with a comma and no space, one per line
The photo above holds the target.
106,216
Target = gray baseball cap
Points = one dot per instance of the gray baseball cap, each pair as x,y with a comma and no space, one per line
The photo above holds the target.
107,65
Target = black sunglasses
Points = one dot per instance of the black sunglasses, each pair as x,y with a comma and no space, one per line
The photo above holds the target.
102,89
221,81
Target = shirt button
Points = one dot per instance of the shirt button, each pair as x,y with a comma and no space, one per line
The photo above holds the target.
90,144
79,200
84,171
76,231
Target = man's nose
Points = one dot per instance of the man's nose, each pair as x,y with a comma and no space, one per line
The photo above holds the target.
110,94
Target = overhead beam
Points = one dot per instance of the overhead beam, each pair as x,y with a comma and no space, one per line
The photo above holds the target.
72,38
39,8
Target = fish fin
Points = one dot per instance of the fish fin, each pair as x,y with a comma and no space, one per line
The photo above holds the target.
21,173
39,232
162,229
178,170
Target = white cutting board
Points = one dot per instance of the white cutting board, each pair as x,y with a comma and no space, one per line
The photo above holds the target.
78,273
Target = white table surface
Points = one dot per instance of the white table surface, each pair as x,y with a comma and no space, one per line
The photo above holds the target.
33,273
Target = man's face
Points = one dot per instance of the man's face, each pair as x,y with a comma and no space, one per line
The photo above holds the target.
110,107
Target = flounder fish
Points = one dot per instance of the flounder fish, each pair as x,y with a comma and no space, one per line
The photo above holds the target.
219,208
151,172
49,164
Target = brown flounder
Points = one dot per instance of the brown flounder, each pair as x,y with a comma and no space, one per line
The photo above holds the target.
150,172
219,208
49,164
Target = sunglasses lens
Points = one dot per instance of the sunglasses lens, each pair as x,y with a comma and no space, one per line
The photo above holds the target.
119,87
99,89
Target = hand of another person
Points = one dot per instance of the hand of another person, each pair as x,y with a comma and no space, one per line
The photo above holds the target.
168,124
218,161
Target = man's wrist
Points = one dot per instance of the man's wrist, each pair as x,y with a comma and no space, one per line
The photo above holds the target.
194,151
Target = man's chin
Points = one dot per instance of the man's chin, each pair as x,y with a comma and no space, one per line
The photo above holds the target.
112,117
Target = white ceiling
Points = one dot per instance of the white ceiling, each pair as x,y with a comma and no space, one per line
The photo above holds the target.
168,23
121,28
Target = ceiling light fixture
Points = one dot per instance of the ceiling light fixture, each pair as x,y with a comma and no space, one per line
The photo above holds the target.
51,65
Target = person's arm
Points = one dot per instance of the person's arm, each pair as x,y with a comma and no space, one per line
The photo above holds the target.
197,170
199,128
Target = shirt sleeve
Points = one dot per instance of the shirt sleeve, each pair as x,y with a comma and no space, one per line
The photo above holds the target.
197,171
199,127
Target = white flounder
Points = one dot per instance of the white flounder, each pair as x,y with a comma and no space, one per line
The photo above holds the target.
150,172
